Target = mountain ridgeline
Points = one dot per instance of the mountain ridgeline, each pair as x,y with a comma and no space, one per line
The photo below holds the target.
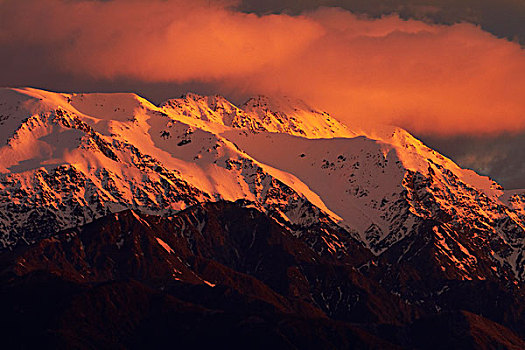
200,223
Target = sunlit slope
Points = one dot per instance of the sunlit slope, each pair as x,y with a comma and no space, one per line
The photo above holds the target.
66,159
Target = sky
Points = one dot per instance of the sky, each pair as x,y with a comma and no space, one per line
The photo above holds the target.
453,75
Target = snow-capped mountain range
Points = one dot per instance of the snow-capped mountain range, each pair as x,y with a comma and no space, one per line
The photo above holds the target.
67,159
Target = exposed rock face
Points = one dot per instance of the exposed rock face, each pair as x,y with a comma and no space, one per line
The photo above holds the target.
213,269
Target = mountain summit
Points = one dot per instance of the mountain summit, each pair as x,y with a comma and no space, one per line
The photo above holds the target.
375,202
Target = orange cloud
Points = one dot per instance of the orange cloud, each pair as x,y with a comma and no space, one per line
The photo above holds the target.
427,78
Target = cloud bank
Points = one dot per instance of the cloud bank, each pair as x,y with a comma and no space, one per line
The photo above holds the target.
431,79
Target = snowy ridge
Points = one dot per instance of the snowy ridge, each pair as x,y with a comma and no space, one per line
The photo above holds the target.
66,159
294,117
215,109
63,168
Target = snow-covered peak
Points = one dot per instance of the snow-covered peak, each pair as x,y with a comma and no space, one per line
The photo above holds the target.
294,117
282,104
214,109
261,113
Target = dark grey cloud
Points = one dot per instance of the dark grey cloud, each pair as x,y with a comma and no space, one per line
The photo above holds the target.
504,18
502,157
